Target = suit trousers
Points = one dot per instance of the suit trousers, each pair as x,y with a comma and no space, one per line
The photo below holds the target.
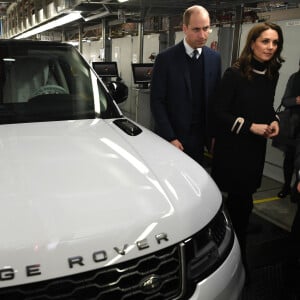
194,143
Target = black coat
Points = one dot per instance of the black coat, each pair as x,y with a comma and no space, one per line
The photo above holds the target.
171,91
238,159
292,90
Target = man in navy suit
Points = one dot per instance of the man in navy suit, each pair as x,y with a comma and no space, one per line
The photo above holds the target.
183,87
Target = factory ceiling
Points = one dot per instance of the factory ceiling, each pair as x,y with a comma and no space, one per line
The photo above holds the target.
15,13
147,8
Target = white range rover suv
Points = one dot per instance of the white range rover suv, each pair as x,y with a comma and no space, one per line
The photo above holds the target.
94,206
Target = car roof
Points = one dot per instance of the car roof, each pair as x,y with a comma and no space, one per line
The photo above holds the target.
15,42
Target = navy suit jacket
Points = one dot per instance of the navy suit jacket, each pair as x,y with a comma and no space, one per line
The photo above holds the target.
171,92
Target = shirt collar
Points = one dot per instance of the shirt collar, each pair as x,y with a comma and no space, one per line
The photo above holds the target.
189,50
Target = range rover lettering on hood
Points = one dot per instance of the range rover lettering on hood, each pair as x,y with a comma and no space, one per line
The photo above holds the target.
8,273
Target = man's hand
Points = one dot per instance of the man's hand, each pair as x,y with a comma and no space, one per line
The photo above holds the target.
177,144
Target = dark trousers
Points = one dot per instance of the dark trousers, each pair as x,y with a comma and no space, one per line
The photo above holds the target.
194,143
288,166
239,207
295,230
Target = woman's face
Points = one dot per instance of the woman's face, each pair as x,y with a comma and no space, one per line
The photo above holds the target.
265,46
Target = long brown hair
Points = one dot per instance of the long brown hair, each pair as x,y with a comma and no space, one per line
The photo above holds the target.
274,64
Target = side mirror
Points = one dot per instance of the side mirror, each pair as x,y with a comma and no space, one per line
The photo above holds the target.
118,90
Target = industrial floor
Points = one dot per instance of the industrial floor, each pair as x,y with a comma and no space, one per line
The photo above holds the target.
272,274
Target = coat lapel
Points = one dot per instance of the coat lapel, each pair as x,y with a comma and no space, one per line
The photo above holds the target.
207,69
185,69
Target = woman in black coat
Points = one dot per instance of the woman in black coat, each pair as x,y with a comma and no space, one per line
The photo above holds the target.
245,118
295,197
291,100
295,229
292,94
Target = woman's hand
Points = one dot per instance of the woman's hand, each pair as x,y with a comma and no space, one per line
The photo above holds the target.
265,130
274,126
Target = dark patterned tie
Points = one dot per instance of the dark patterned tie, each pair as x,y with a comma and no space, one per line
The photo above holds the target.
195,55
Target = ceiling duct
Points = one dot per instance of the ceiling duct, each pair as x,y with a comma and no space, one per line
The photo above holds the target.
92,10
62,5
98,14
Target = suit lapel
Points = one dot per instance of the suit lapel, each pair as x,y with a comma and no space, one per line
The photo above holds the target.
207,70
183,65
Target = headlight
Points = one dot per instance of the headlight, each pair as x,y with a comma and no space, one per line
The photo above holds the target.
208,248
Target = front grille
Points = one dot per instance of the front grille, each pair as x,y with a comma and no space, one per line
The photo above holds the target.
122,281
171,273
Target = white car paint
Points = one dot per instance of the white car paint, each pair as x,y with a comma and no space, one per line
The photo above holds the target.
68,185
79,193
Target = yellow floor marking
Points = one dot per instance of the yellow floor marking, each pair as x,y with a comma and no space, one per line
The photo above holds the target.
266,200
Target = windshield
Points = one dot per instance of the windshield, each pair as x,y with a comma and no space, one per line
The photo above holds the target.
42,81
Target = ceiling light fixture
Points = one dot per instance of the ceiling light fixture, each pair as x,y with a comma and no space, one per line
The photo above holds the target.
121,1
73,16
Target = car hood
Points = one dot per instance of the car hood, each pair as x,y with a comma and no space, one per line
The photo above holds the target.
84,188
